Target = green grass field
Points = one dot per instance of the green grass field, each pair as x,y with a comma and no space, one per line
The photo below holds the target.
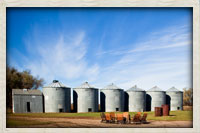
174,115
22,119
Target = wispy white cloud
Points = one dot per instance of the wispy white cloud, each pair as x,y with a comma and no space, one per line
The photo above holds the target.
63,60
171,37
163,58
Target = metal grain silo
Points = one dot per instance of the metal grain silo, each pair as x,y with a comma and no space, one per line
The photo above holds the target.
137,99
87,98
155,98
174,98
114,98
57,97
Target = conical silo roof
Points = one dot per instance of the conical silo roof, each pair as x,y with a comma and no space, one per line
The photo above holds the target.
155,88
111,87
85,85
55,84
173,89
135,88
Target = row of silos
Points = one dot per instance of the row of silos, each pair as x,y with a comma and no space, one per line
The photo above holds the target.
112,98
57,98
140,100
157,97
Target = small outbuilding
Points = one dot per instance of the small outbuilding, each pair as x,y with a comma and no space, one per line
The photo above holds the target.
155,97
112,98
174,98
85,98
27,101
137,99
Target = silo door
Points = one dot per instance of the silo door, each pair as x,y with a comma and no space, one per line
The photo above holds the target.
28,107
89,109
60,110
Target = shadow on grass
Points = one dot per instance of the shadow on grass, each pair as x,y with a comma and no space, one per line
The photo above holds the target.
147,122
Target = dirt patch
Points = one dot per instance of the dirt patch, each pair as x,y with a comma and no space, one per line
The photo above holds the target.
80,122
188,108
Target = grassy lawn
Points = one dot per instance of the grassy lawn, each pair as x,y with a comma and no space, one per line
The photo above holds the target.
23,123
174,115
56,115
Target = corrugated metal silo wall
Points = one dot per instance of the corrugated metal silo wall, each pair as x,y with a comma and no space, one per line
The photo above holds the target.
176,100
20,103
114,99
56,99
158,98
96,104
87,99
137,101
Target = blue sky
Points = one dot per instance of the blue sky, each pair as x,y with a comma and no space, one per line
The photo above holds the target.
124,46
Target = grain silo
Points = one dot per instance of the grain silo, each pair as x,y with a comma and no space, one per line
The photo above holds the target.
87,98
114,98
57,97
174,98
137,99
155,97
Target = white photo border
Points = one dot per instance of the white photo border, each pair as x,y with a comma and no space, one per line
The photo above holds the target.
103,3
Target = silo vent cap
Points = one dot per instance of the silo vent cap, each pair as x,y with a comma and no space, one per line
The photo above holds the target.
111,86
55,81
135,88
155,88
55,84
84,86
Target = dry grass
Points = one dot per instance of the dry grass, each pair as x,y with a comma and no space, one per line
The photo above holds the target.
187,108
11,122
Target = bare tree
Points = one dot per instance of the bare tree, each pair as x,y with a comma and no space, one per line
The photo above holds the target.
188,97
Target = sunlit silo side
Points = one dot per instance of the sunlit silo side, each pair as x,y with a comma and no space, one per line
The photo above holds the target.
174,98
57,97
114,98
137,99
155,98
87,98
